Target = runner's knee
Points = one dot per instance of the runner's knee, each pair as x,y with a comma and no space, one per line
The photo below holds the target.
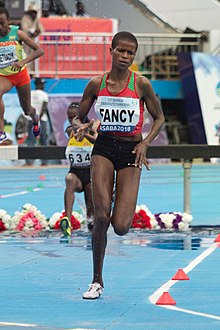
102,221
121,229
71,183
69,180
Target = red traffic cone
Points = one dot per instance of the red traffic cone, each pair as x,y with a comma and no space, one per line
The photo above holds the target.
165,299
217,240
180,275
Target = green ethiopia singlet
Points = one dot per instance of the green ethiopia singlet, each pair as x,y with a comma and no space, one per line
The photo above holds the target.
11,50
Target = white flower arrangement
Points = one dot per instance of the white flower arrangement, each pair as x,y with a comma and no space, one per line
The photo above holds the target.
53,219
5,220
29,219
173,220
143,218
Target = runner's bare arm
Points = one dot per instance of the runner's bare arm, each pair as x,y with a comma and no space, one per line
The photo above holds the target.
37,51
88,98
153,107
146,93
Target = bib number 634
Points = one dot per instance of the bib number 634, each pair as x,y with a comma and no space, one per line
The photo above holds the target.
79,159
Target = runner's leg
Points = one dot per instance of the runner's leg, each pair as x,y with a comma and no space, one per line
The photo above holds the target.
73,184
24,94
102,175
5,86
89,206
127,185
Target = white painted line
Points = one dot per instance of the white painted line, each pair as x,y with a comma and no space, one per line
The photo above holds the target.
23,192
9,324
188,311
17,324
166,286
200,258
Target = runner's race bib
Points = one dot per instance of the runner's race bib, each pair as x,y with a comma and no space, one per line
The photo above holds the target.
7,56
117,114
79,152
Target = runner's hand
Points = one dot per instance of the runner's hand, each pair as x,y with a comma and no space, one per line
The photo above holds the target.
90,129
141,152
84,128
17,66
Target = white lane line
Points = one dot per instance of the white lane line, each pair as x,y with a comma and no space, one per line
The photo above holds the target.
16,324
188,311
166,286
32,325
23,192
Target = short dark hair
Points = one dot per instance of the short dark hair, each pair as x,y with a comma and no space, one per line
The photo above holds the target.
3,10
124,35
39,81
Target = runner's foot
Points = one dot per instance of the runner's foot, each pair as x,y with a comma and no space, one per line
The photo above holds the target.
94,291
65,226
3,136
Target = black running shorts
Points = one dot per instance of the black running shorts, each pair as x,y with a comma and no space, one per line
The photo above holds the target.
83,174
117,151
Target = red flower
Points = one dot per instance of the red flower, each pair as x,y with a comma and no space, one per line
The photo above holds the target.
141,220
57,225
75,223
2,225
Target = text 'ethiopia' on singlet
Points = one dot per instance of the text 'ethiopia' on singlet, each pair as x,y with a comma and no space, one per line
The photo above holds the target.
120,114
11,50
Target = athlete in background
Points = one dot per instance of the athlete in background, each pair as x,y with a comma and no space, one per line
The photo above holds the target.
78,152
13,71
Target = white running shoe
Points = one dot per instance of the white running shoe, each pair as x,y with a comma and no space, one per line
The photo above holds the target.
3,136
94,291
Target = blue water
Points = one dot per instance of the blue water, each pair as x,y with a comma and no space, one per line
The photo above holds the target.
161,190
